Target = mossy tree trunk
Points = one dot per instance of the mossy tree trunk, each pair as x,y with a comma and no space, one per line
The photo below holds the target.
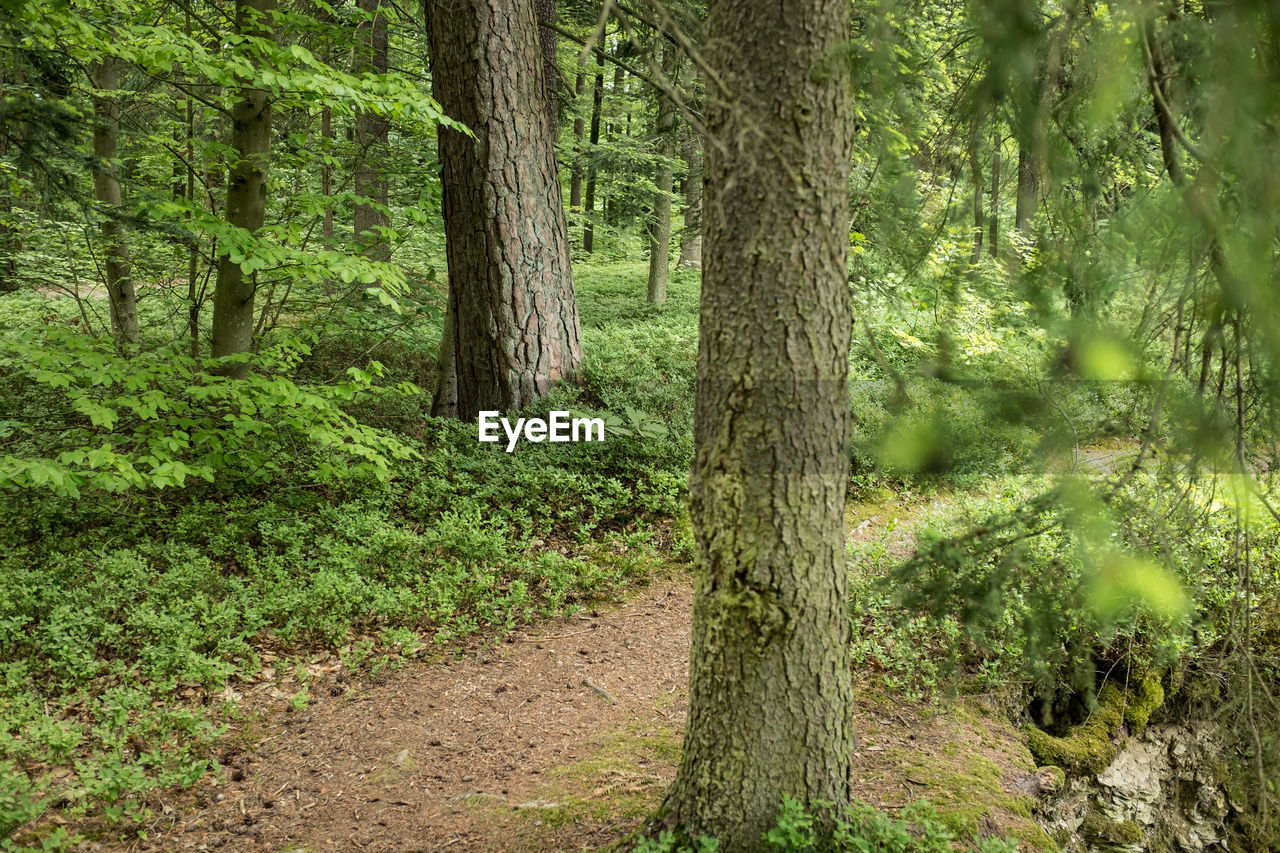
770,700
512,321
233,295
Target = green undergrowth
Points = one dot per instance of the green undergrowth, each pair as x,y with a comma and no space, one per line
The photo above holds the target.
126,618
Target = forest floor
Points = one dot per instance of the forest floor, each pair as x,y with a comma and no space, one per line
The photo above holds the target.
559,736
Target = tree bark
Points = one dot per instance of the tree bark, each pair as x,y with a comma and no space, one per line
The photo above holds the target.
589,203
770,700
106,190
326,174
371,135
233,296
511,302
691,233
660,226
611,203
546,12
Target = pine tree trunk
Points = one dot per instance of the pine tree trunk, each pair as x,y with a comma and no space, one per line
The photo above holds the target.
770,700
589,202
660,227
371,134
611,203
512,311
233,296
691,233
546,12
106,190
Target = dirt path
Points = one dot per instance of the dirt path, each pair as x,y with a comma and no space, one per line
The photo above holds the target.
507,747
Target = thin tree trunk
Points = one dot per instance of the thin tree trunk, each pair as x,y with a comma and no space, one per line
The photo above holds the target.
10,243
233,296
610,203
1028,190
512,311
691,233
975,173
579,128
589,203
326,174
770,699
660,227
371,134
993,237
106,190
193,248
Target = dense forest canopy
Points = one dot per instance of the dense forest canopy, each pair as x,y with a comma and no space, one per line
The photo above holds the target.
935,343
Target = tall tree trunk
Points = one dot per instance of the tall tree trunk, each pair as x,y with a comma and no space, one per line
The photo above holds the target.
511,302
993,237
770,700
193,246
233,296
975,173
660,226
579,128
371,133
691,233
589,203
1028,190
546,12
326,174
10,243
611,203
106,191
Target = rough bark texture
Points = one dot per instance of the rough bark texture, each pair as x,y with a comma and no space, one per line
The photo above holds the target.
233,317
589,203
371,133
106,191
326,173
512,311
660,226
546,12
770,705
691,233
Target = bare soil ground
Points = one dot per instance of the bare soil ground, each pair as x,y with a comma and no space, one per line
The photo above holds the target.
558,738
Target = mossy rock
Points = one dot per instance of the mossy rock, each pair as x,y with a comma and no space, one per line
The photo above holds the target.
1143,701
1098,827
1087,749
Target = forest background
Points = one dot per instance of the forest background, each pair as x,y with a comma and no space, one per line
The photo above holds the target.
1064,232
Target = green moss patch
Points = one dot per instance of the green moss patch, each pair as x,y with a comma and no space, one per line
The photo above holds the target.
1088,748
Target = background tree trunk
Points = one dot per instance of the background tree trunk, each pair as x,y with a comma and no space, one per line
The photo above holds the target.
106,191
589,203
579,129
1028,190
769,692
512,309
233,316
691,233
993,236
660,227
371,134
975,174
